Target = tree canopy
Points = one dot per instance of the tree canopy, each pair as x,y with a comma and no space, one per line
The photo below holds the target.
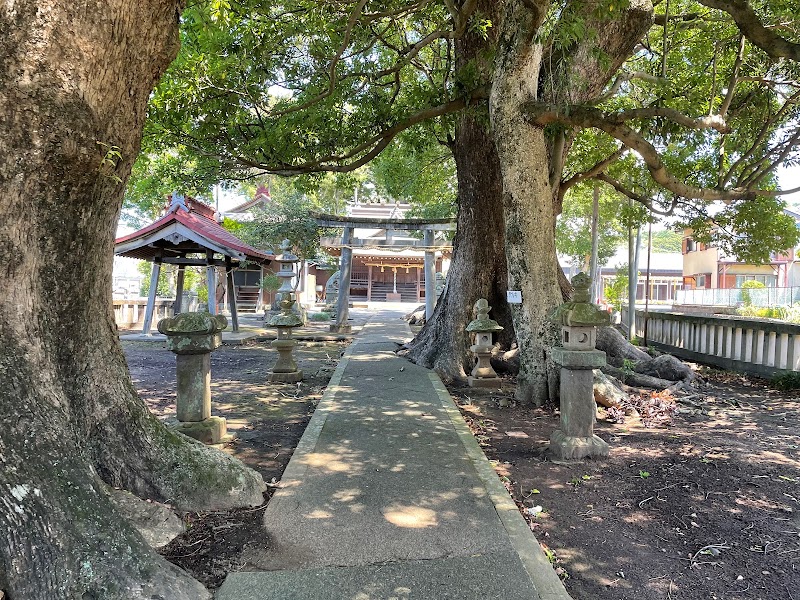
297,87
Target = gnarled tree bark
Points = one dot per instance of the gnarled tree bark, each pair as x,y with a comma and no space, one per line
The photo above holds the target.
478,269
74,83
532,157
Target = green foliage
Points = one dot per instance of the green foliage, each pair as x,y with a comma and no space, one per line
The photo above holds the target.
574,225
165,287
300,86
155,175
319,316
289,219
787,381
762,312
108,163
618,290
414,169
750,230
251,83
627,368
666,241
270,282
750,285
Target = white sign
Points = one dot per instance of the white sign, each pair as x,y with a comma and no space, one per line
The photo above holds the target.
514,296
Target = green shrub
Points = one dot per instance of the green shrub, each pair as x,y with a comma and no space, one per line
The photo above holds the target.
764,312
792,313
787,381
319,316
270,282
751,284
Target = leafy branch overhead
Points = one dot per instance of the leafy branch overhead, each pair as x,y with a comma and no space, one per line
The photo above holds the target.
675,107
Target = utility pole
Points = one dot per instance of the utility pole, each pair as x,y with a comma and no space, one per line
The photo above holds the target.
593,270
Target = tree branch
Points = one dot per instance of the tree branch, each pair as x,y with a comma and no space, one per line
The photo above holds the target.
614,125
648,202
594,171
354,158
754,30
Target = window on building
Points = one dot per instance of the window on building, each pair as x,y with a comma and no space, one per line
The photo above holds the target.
767,280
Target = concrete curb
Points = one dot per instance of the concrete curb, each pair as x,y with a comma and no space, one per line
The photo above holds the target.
308,441
539,569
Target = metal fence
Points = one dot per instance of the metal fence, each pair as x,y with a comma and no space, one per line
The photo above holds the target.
771,296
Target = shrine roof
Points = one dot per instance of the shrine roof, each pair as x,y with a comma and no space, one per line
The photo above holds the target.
189,227
261,197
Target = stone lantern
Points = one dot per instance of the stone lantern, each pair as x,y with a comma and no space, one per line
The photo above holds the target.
579,319
285,369
192,336
483,374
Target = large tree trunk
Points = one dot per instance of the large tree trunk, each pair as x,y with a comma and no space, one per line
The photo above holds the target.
73,90
532,161
478,269
528,202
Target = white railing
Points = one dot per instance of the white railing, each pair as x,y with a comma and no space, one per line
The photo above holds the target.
760,347
771,296
130,313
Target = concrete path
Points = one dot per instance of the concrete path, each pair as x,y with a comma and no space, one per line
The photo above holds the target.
389,496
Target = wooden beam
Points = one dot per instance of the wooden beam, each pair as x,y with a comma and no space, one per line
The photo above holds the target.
195,262
389,224
211,283
151,297
179,290
231,294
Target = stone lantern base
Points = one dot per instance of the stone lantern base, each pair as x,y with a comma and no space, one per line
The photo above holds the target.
285,370
485,382
575,438
483,375
565,447
212,430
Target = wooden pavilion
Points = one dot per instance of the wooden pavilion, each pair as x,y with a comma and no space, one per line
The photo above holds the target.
190,235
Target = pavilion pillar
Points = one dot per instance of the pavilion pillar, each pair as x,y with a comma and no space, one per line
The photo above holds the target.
430,274
231,294
369,283
151,296
211,282
179,290
345,270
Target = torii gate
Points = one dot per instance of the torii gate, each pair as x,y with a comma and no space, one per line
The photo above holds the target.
348,224
189,228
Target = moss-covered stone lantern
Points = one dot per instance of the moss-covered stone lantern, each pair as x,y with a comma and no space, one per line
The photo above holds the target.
192,336
285,369
579,320
483,375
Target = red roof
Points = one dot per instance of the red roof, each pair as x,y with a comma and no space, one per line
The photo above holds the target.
198,219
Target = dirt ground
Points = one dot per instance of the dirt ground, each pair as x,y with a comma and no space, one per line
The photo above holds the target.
703,506
706,507
267,420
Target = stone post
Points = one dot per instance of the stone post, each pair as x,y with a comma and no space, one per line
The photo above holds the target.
345,269
579,319
193,336
430,274
483,374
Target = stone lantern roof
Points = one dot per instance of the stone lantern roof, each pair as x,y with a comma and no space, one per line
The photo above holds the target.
580,312
482,321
